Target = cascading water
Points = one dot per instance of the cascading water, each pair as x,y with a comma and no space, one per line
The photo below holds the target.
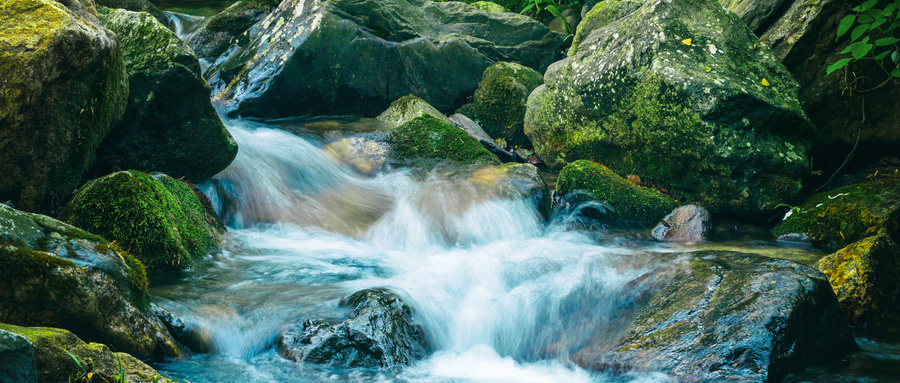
502,296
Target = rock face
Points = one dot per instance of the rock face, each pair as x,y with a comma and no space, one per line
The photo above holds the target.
427,138
56,275
756,13
513,180
54,365
681,94
688,223
16,359
162,221
169,125
499,101
63,87
378,333
724,317
137,6
223,29
838,217
866,279
356,56
632,203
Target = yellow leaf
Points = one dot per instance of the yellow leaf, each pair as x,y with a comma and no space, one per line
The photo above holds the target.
686,41
765,82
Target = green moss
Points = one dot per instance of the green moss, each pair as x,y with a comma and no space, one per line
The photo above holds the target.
428,138
198,232
489,6
499,101
633,203
599,16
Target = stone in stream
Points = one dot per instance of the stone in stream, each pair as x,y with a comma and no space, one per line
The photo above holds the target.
406,109
169,124
16,359
367,154
357,56
56,275
682,95
499,101
475,130
222,30
513,180
63,87
166,223
719,316
379,332
688,223
426,138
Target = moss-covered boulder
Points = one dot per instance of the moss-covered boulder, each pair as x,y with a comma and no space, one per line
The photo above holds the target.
52,349
16,358
719,316
222,30
489,6
427,138
406,109
681,94
839,217
632,203
357,56
379,332
499,101
164,222
56,275
63,87
169,125
866,279
137,6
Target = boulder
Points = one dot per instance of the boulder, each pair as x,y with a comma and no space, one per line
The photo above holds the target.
56,351
16,359
222,30
367,154
513,180
839,217
357,56
632,203
477,132
406,109
688,223
758,13
56,275
499,101
137,6
379,332
165,223
866,279
169,124
427,138
63,87
720,316
682,95
489,6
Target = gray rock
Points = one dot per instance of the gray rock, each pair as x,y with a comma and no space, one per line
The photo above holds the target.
367,154
475,130
756,13
16,359
688,223
223,29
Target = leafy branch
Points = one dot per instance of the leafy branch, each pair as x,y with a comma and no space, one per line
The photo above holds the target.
874,37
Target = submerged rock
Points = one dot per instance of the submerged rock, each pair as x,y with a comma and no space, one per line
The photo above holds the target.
221,31
52,349
356,56
169,125
513,180
367,154
838,217
688,223
681,94
379,332
427,138
717,316
56,275
499,101
16,358
63,87
632,203
164,222
866,279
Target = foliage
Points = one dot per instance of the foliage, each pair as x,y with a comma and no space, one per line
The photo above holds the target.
555,8
875,36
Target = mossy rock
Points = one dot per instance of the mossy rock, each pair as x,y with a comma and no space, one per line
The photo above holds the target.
500,101
57,275
55,348
137,6
407,108
757,14
427,138
839,217
631,202
603,13
160,220
866,279
489,6
63,88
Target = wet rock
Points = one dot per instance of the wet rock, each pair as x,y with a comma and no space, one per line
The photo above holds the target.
187,336
479,134
406,109
54,364
137,6
164,222
56,275
63,88
513,180
718,316
499,101
16,359
688,223
599,15
357,56
378,333
866,279
632,203
223,29
839,217
681,94
367,154
427,138
169,124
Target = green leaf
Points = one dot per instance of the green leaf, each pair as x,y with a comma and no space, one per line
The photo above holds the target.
849,48
845,25
859,31
528,7
896,72
865,6
886,41
882,55
895,57
861,50
838,65
877,23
